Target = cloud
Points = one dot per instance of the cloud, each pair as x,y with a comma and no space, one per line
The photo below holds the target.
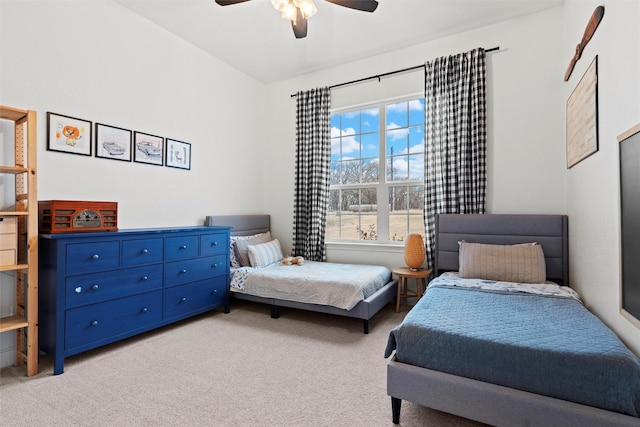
349,143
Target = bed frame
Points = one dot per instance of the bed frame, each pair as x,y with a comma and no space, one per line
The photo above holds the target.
489,403
246,225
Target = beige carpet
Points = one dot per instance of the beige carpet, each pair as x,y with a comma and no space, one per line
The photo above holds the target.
236,369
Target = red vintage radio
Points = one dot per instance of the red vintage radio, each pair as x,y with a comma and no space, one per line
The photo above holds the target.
72,216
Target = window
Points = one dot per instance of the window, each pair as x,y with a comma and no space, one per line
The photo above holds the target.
377,172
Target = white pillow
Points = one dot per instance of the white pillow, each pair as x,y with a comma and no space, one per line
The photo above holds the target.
265,253
523,263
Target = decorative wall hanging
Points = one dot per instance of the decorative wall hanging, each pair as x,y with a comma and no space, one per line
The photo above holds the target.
113,143
178,154
582,117
148,148
68,134
592,25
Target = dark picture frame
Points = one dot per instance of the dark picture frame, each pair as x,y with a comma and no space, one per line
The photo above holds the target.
113,142
148,148
582,117
629,143
68,134
178,154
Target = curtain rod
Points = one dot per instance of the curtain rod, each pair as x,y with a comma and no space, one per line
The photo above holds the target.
379,76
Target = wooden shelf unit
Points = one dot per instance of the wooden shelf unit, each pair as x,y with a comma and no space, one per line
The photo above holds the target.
24,320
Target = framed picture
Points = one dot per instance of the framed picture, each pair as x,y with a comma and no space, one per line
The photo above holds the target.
113,143
178,154
148,148
582,117
68,134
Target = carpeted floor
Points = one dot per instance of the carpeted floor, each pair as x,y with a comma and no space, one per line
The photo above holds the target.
236,369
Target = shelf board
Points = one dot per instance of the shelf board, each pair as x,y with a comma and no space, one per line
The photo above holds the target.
13,169
14,267
14,114
13,213
12,323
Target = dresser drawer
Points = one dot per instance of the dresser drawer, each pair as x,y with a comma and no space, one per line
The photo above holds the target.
185,299
96,322
182,247
90,257
190,270
97,287
144,251
213,244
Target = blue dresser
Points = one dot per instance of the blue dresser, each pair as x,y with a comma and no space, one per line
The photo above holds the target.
98,288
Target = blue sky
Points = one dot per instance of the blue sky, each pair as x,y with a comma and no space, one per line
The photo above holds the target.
355,134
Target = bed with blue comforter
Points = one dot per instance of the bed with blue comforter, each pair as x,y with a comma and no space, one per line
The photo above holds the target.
510,352
535,338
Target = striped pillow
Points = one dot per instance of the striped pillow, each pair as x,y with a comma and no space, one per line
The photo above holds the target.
265,253
242,242
523,263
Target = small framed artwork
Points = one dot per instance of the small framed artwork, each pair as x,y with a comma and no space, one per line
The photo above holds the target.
148,148
582,117
68,134
113,143
178,154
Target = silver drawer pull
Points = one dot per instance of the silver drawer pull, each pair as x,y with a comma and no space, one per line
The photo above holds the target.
95,256
145,278
183,246
215,265
145,250
94,287
94,323
214,244
183,299
78,290
183,271
144,310
215,291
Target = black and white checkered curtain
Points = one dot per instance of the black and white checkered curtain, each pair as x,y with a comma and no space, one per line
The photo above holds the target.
455,142
313,160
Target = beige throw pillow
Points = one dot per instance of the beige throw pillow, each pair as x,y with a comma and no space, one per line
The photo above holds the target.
242,245
522,263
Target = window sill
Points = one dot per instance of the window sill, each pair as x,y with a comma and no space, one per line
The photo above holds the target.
365,247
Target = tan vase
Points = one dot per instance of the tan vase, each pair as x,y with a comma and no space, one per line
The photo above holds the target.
414,251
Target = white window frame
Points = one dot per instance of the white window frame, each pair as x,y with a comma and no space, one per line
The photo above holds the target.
382,186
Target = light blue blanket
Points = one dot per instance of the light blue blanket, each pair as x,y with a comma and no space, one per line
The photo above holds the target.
544,344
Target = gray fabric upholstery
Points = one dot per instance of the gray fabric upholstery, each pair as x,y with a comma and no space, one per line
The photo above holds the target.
550,231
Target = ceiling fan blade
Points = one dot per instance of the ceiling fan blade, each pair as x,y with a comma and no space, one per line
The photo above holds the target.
229,2
363,5
592,25
299,26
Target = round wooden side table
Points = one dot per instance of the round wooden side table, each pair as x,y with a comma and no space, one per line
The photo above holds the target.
404,273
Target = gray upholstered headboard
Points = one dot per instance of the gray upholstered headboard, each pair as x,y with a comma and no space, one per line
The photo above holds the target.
551,231
242,225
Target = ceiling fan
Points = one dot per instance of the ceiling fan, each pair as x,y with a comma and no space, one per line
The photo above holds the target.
299,11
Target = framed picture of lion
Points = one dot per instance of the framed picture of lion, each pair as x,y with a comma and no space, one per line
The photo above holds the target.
68,134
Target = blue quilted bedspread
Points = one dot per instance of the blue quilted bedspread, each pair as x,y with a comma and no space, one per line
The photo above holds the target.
547,345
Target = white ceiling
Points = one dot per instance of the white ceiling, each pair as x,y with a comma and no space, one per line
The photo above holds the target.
253,38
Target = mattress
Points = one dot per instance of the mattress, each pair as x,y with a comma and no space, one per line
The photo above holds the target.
545,342
324,283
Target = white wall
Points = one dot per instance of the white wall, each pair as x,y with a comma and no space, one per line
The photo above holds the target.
593,186
526,171
100,62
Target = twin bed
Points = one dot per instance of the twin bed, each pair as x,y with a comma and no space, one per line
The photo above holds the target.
504,353
357,291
